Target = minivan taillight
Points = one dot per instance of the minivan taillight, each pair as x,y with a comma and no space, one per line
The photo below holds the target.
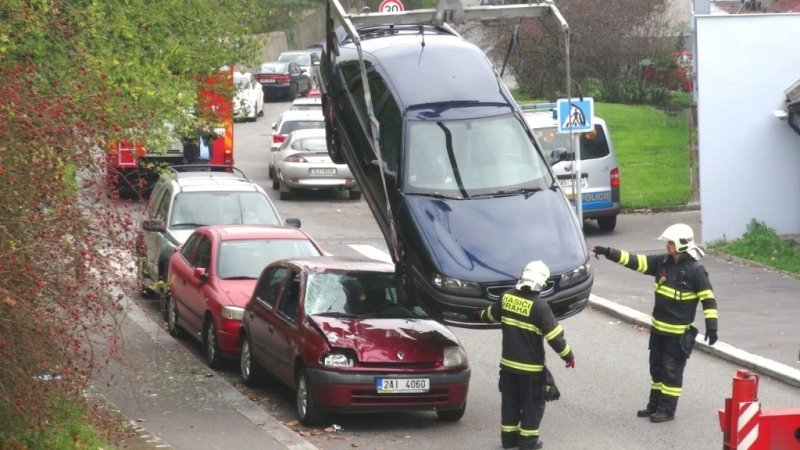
615,177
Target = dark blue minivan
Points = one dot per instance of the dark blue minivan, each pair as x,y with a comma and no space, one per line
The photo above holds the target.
451,172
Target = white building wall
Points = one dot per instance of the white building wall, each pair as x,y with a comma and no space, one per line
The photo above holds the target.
749,160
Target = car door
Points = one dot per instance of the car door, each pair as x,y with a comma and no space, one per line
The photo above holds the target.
282,331
181,269
193,302
156,241
261,311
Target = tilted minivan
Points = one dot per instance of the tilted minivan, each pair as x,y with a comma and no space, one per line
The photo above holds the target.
464,196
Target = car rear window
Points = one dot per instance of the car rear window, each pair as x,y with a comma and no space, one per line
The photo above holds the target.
246,258
593,143
294,125
194,209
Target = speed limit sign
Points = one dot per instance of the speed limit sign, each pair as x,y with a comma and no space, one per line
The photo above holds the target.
391,6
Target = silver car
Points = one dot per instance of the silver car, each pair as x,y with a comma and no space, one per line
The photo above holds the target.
302,162
600,179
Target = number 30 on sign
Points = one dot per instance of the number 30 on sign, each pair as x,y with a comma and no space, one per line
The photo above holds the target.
391,6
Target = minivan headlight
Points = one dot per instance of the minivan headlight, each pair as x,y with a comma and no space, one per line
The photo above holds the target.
337,360
576,276
454,357
455,285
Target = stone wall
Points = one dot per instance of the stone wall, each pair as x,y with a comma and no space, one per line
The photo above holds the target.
309,30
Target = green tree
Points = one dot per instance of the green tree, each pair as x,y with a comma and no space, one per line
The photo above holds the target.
75,74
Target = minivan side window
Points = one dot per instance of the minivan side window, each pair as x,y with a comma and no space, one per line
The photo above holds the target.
594,144
269,285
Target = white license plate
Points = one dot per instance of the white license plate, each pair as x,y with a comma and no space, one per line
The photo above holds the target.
318,171
268,81
567,183
402,385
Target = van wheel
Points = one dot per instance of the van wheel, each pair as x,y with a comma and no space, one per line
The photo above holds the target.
249,370
354,195
607,223
307,409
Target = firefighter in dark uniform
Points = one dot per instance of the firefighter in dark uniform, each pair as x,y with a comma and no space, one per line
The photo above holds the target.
681,282
526,321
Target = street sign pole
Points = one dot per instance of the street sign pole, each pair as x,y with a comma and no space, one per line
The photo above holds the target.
576,116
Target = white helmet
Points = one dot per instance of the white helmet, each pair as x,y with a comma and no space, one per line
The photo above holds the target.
534,276
683,237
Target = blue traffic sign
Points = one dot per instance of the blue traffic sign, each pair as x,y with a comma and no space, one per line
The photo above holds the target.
575,115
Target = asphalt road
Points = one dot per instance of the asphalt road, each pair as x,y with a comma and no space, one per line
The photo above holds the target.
165,386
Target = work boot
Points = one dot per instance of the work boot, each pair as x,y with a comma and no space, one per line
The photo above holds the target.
647,412
531,445
661,416
510,443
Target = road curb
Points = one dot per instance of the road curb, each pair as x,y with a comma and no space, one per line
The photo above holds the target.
764,366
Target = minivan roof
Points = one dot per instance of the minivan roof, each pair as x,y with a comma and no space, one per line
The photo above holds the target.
408,60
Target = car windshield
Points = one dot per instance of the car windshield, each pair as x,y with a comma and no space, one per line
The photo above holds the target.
245,258
593,143
475,157
194,209
303,59
355,294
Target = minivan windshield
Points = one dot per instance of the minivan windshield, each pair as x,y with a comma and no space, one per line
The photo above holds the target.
195,209
471,158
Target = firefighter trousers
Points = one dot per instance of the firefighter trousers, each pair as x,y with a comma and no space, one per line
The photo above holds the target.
667,361
522,409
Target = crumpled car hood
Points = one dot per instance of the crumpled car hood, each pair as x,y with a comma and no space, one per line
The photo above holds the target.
492,239
388,340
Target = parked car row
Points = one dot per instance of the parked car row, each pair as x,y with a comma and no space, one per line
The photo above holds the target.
299,158
293,74
246,287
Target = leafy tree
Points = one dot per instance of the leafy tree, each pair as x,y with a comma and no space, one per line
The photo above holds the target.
74,75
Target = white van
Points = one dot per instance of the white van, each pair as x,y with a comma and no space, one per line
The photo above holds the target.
600,179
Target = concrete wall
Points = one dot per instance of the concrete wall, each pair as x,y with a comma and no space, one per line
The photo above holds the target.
749,160
309,30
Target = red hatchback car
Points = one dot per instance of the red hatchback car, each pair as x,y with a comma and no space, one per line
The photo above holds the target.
332,329
212,277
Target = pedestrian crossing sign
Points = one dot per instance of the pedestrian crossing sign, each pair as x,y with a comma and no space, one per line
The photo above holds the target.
575,115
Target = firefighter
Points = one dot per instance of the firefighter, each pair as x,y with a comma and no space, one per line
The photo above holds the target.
680,283
526,321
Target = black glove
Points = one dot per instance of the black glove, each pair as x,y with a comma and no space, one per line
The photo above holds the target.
711,337
598,250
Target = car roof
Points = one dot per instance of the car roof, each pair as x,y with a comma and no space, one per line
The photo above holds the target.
544,118
341,263
308,101
237,232
212,181
278,64
407,60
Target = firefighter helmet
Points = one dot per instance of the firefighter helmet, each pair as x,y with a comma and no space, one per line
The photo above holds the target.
534,276
682,236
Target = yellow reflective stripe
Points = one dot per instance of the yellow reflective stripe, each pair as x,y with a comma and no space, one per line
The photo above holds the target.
528,433
565,352
710,314
553,334
655,386
521,366
489,314
668,327
509,428
671,391
520,324
705,294
642,260
675,294
624,257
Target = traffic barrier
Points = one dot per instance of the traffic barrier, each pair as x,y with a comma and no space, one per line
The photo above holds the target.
746,427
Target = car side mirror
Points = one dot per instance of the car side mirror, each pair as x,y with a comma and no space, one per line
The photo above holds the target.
156,225
292,222
560,154
201,273
274,125
384,167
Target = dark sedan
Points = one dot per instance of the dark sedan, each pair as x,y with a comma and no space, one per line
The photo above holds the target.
283,79
332,329
459,188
